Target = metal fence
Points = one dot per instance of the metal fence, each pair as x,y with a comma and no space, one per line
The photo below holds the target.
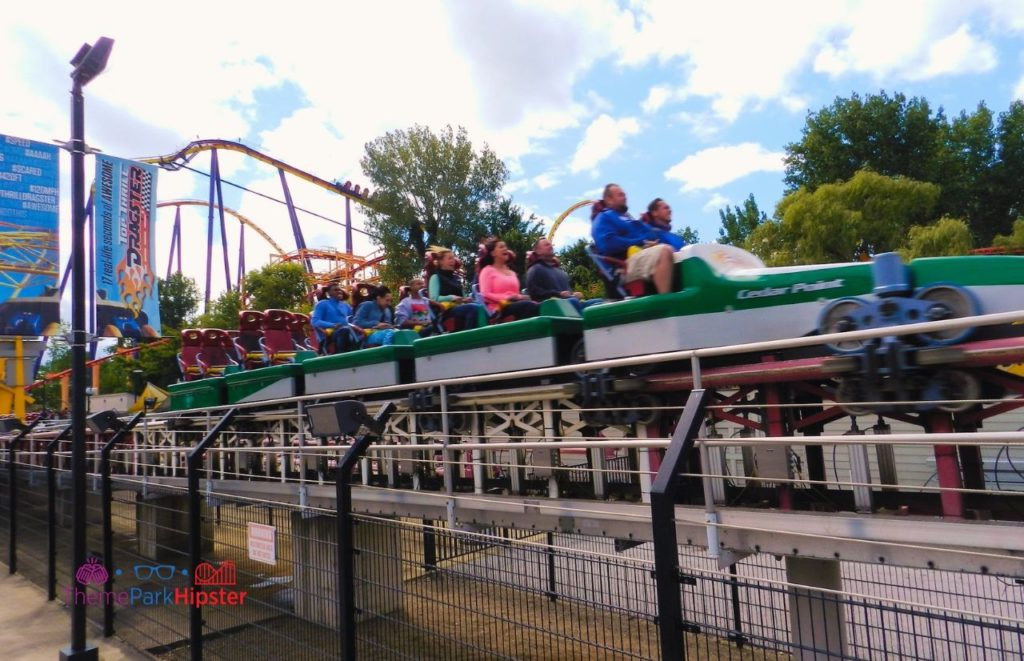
281,568
426,590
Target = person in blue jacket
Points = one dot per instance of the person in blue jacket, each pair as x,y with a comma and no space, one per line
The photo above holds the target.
330,318
659,216
615,232
375,316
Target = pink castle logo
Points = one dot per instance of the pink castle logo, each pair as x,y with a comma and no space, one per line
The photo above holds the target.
92,572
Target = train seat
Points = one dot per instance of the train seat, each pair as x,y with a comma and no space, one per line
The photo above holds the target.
218,354
277,343
188,357
301,330
250,330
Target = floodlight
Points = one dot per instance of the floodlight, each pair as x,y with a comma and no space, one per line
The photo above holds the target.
90,61
338,418
103,421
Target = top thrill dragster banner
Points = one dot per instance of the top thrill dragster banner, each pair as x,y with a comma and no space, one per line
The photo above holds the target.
127,304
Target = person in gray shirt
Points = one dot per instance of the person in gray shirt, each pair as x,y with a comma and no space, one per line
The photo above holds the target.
545,279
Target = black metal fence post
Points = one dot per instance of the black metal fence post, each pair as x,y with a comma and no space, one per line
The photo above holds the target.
195,529
429,545
12,496
663,521
552,581
737,619
51,514
108,528
346,537
12,509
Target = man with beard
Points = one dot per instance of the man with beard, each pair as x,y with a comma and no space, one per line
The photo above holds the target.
617,234
545,279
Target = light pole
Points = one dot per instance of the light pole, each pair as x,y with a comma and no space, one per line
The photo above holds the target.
88,63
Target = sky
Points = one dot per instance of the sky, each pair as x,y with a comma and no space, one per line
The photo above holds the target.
692,102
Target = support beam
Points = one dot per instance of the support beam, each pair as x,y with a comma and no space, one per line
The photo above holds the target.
817,619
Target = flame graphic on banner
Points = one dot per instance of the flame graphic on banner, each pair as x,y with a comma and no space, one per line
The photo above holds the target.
135,272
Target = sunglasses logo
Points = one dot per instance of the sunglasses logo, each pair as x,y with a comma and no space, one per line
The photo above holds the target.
161,572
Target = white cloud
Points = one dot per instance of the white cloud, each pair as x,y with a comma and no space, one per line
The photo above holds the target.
794,102
656,98
546,180
705,125
541,182
516,186
910,39
907,40
602,138
717,166
1018,93
960,52
716,202
598,103
714,68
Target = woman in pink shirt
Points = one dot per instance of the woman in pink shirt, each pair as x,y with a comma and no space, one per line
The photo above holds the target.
499,284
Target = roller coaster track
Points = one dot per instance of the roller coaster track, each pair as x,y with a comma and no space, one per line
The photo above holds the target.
26,252
565,214
180,158
281,252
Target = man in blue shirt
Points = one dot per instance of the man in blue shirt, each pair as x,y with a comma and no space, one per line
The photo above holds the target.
659,216
330,319
615,232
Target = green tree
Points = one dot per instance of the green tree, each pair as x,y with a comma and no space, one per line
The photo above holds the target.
58,359
949,236
689,235
738,222
979,164
223,312
1014,240
581,270
1007,192
280,286
893,136
179,300
157,362
868,214
429,189
967,171
505,220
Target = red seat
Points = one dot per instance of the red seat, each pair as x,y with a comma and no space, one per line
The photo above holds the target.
218,352
301,330
188,357
250,330
277,343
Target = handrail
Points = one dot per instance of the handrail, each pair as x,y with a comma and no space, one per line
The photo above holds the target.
195,529
685,354
346,540
51,513
108,528
12,495
663,524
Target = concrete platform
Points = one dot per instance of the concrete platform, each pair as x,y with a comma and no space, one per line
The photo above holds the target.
34,629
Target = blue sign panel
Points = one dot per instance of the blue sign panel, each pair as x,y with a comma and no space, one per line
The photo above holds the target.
127,301
29,303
